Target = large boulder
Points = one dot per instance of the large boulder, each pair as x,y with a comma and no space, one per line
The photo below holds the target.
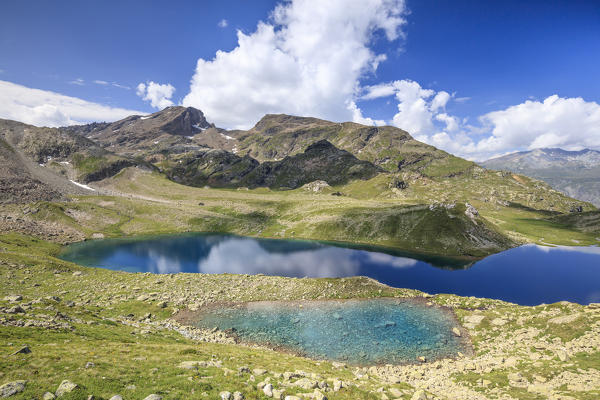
65,387
12,388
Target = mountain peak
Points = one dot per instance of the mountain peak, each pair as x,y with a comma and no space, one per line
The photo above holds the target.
274,123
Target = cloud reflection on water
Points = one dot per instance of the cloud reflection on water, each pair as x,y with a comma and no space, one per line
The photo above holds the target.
247,256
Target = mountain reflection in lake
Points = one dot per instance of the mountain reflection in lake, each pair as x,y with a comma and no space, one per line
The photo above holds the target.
524,275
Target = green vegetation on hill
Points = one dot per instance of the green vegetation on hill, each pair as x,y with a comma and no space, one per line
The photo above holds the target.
218,168
278,136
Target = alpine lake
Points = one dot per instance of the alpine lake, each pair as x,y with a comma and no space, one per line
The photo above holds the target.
373,331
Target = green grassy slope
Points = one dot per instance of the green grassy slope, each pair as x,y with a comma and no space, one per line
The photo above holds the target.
111,333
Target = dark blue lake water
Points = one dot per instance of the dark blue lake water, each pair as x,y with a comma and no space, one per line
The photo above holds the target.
354,331
525,275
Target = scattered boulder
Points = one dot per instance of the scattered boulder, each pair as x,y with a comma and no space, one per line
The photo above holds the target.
23,350
456,331
259,371
562,355
564,319
13,298
225,395
576,209
419,395
48,396
315,186
268,390
474,319
153,397
116,397
12,388
65,387
15,310
89,364
238,396
306,383
337,385
471,211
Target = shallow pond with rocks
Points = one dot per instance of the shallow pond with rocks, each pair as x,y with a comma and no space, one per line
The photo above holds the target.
370,331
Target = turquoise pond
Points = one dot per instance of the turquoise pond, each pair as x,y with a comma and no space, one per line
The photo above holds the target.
376,331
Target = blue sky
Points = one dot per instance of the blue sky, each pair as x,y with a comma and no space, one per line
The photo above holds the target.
497,62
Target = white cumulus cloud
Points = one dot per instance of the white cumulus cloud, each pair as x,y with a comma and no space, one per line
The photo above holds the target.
568,123
45,108
223,23
307,60
159,95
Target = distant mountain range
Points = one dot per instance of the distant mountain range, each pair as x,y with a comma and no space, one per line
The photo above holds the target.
576,173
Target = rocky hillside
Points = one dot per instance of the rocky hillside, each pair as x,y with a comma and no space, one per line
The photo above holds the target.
576,173
48,160
394,150
168,131
177,131
17,183
320,161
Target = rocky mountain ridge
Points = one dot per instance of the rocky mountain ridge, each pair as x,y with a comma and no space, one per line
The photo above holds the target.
576,173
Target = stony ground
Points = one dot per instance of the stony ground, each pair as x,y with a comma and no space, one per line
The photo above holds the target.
76,332
73,331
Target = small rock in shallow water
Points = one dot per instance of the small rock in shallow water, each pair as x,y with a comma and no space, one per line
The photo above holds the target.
12,388
456,331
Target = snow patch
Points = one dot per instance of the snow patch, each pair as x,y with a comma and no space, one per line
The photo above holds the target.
83,186
146,117
189,137
65,163
197,126
227,137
